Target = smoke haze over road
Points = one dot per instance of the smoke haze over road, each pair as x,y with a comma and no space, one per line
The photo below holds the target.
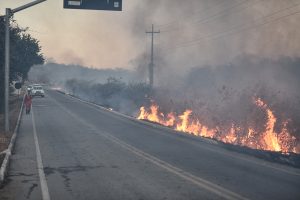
193,32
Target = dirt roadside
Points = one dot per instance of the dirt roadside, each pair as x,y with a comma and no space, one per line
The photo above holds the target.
14,105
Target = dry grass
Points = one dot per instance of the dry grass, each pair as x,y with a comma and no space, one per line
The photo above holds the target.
14,104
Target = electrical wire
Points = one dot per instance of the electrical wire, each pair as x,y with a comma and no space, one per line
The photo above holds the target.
217,15
236,29
175,22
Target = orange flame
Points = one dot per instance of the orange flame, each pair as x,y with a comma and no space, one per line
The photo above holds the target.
267,140
269,137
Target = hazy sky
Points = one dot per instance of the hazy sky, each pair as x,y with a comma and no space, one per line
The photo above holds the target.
92,38
193,32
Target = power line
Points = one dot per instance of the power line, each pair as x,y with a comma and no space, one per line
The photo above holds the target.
234,5
218,14
176,21
221,35
236,29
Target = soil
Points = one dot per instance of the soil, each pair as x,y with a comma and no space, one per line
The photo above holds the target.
14,105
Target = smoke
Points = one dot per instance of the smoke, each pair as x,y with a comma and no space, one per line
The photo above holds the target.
202,32
215,57
222,95
71,57
193,32
57,74
113,94
118,89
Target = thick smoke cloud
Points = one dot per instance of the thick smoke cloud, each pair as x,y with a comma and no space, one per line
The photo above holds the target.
200,32
224,95
214,57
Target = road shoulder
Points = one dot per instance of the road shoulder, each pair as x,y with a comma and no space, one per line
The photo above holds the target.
22,180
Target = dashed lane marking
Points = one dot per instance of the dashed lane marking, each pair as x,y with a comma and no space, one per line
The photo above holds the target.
225,152
200,182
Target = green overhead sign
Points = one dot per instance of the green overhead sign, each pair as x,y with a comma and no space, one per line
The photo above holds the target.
114,5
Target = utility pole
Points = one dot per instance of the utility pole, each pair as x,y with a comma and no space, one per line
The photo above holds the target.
9,12
151,65
6,71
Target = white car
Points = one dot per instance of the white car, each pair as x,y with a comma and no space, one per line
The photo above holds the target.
37,90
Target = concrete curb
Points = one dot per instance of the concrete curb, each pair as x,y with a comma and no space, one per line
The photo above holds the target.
5,163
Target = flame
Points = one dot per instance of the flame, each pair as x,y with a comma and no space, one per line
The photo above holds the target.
269,136
266,140
231,136
184,125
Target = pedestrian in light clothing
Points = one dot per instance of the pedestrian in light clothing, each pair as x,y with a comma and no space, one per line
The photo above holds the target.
27,102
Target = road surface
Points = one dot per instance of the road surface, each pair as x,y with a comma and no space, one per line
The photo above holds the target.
67,149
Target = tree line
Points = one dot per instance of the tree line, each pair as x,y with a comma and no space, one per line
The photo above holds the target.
25,51
116,94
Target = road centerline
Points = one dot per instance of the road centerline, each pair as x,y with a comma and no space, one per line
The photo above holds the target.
218,190
231,154
40,167
200,182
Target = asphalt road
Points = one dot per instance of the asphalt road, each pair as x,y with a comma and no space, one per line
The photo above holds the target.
67,149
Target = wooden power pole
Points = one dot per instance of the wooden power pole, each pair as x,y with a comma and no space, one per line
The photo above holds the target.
151,65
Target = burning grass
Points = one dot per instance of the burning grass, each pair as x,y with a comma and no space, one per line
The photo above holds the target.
263,138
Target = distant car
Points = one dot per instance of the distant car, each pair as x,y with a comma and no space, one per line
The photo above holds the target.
37,90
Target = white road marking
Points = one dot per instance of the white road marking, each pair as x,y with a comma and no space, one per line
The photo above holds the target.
218,190
202,183
40,167
257,161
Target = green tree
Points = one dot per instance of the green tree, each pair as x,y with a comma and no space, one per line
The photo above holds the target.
25,51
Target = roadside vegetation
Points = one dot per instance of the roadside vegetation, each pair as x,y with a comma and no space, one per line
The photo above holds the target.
25,52
114,94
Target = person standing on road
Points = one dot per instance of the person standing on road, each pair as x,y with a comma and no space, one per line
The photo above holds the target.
27,102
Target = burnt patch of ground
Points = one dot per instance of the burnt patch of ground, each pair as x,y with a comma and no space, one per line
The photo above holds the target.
290,159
